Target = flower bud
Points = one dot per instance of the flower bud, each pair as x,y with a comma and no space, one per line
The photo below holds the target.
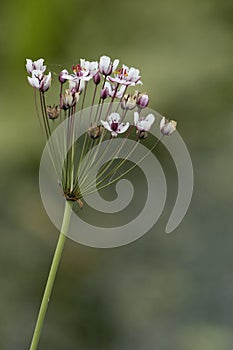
104,93
142,100
97,78
62,76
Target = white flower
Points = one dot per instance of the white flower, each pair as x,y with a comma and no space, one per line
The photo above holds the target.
126,76
114,125
143,124
40,81
112,90
167,127
81,73
36,65
106,67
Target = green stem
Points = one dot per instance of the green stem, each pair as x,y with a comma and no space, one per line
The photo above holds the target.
52,275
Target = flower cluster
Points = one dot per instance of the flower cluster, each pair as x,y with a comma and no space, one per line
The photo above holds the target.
111,81
38,79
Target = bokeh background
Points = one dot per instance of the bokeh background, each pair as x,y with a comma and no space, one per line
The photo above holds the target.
163,291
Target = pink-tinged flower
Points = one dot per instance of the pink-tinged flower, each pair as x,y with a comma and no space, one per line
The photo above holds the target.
82,72
106,66
142,100
167,127
126,76
143,124
114,124
40,81
36,65
79,72
86,69
112,90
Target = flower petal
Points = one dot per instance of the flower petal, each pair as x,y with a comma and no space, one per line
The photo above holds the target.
46,82
162,123
142,125
93,68
109,87
105,65
121,91
106,125
136,118
114,134
122,127
114,118
132,73
150,119
29,65
39,64
34,82
115,64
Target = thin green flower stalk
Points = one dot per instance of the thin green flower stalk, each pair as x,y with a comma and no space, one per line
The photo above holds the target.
51,277
117,115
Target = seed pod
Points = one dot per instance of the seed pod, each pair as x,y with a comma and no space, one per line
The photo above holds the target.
53,112
95,131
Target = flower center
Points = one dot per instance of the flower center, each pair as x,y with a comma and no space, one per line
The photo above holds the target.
78,70
114,126
121,73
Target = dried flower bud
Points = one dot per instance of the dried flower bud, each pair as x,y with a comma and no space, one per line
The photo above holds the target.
167,127
53,112
142,100
104,93
129,101
97,78
95,131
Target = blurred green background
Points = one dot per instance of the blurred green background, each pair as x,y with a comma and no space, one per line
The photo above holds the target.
163,291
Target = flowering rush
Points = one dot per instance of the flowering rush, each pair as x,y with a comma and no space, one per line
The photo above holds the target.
111,82
114,111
